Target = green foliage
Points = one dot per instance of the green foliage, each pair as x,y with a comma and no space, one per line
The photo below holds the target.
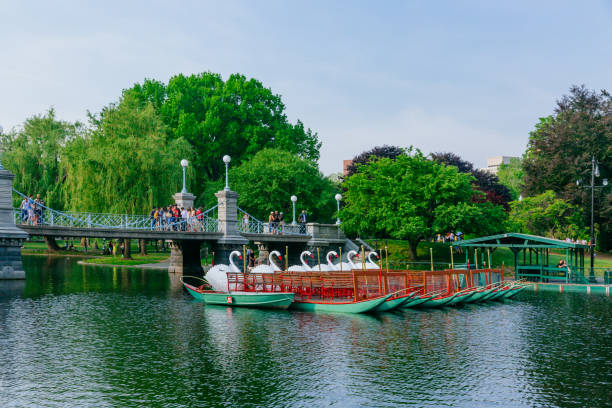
560,151
267,181
238,117
125,163
33,153
511,176
412,198
547,215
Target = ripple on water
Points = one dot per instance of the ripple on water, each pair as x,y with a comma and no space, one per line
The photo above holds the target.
76,336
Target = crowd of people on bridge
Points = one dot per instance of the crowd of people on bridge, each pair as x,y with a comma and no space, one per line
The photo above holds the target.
276,222
32,210
175,218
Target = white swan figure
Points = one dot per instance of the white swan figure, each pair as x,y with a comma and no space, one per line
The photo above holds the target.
304,267
349,257
330,263
217,275
371,264
263,268
347,266
329,266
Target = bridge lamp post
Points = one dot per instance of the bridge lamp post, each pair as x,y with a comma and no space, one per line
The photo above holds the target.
226,160
184,164
579,183
338,197
293,200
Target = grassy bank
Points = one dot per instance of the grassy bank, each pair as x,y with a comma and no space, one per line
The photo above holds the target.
135,260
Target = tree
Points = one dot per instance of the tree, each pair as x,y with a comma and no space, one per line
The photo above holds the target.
547,215
560,149
511,176
412,198
390,152
238,117
33,153
125,163
268,180
486,182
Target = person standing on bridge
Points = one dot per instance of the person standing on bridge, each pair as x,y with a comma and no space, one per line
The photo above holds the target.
24,210
245,222
152,217
271,222
184,219
302,221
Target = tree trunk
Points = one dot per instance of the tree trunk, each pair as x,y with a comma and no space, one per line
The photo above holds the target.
126,249
143,247
51,244
412,250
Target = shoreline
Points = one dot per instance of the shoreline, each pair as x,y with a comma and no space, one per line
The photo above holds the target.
164,265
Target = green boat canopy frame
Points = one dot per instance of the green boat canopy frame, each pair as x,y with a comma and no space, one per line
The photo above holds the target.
535,251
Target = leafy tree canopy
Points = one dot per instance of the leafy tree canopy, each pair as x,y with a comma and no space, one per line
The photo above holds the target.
390,152
238,117
560,149
267,181
547,215
33,152
412,198
511,176
486,182
125,163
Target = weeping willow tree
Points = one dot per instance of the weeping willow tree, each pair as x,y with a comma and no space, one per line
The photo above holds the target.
125,163
32,152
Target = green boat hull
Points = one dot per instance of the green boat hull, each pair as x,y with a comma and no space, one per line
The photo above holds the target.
513,292
244,299
392,304
460,298
480,297
416,301
499,294
438,302
362,306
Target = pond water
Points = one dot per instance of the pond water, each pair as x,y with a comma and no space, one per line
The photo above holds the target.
72,335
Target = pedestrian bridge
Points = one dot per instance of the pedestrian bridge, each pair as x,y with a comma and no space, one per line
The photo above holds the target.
222,226
51,222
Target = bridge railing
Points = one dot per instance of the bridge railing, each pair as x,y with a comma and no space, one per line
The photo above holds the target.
45,216
252,225
48,217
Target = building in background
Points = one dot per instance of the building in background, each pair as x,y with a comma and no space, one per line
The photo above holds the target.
345,166
494,162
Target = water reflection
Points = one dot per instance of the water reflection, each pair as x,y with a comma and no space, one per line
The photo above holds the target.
75,335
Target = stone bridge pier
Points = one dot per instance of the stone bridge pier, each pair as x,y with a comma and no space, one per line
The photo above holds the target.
11,237
185,254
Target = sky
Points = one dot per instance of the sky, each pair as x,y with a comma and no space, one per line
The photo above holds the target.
462,76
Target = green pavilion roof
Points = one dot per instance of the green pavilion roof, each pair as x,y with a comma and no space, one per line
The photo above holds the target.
516,240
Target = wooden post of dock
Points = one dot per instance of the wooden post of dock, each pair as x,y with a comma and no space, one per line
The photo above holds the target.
387,274
244,258
340,251
475,258
431,258
286,257
452,261
319,259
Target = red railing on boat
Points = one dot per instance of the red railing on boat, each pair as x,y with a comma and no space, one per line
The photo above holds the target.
364,284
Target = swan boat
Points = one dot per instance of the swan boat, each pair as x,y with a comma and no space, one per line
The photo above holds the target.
223,277
260,300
